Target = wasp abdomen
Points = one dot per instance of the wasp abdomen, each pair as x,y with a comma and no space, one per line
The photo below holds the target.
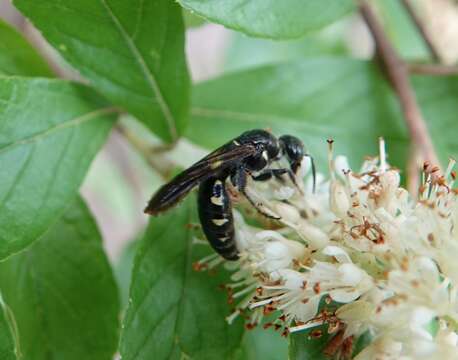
215,213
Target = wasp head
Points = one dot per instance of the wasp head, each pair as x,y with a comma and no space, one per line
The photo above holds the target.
293,149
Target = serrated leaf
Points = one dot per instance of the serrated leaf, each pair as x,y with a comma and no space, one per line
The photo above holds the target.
175,312
18,57
314,99
8,340
62,292
49,132
132,52
274,19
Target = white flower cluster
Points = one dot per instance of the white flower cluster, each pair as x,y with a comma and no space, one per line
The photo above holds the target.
360,256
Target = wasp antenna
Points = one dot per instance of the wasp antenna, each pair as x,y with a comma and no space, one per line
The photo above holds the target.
312,162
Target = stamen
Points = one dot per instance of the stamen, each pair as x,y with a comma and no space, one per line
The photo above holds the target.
244,291
269,300
197,241
306,326
208,258
212,264
382,154
451,165
233,316
331,159
237,284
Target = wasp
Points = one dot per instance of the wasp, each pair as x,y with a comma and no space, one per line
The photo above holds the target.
248,155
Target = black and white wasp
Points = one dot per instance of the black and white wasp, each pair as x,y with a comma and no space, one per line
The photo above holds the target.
249,154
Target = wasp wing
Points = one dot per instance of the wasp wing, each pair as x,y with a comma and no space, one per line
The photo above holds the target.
222,158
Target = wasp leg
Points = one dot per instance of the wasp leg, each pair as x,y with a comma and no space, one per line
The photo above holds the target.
239,180
293,179
277,173
269,173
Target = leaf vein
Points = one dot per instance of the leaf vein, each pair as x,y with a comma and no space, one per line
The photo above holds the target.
146,71
15,182
73,122
186,270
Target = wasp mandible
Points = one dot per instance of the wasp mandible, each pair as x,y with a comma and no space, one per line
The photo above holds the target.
249,154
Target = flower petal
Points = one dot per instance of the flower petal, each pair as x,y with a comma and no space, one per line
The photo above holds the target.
340,254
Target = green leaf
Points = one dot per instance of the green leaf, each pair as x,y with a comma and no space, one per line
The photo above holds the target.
9,345
123,270
263,344
437,96
18,57
132,52
175,312
321,98
303,347
49,132
191,20
62,292
246,51
274,19
314,99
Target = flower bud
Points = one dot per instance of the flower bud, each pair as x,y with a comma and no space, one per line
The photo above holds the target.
341,165
339,253
351,275
283,192
277,256
450,338
280,254
339,202
293,280
316,238
358,310
277,251
287,212
390,180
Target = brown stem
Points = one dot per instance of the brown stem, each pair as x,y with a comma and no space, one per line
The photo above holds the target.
155,159
397,72
422,30
413,172
432,69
